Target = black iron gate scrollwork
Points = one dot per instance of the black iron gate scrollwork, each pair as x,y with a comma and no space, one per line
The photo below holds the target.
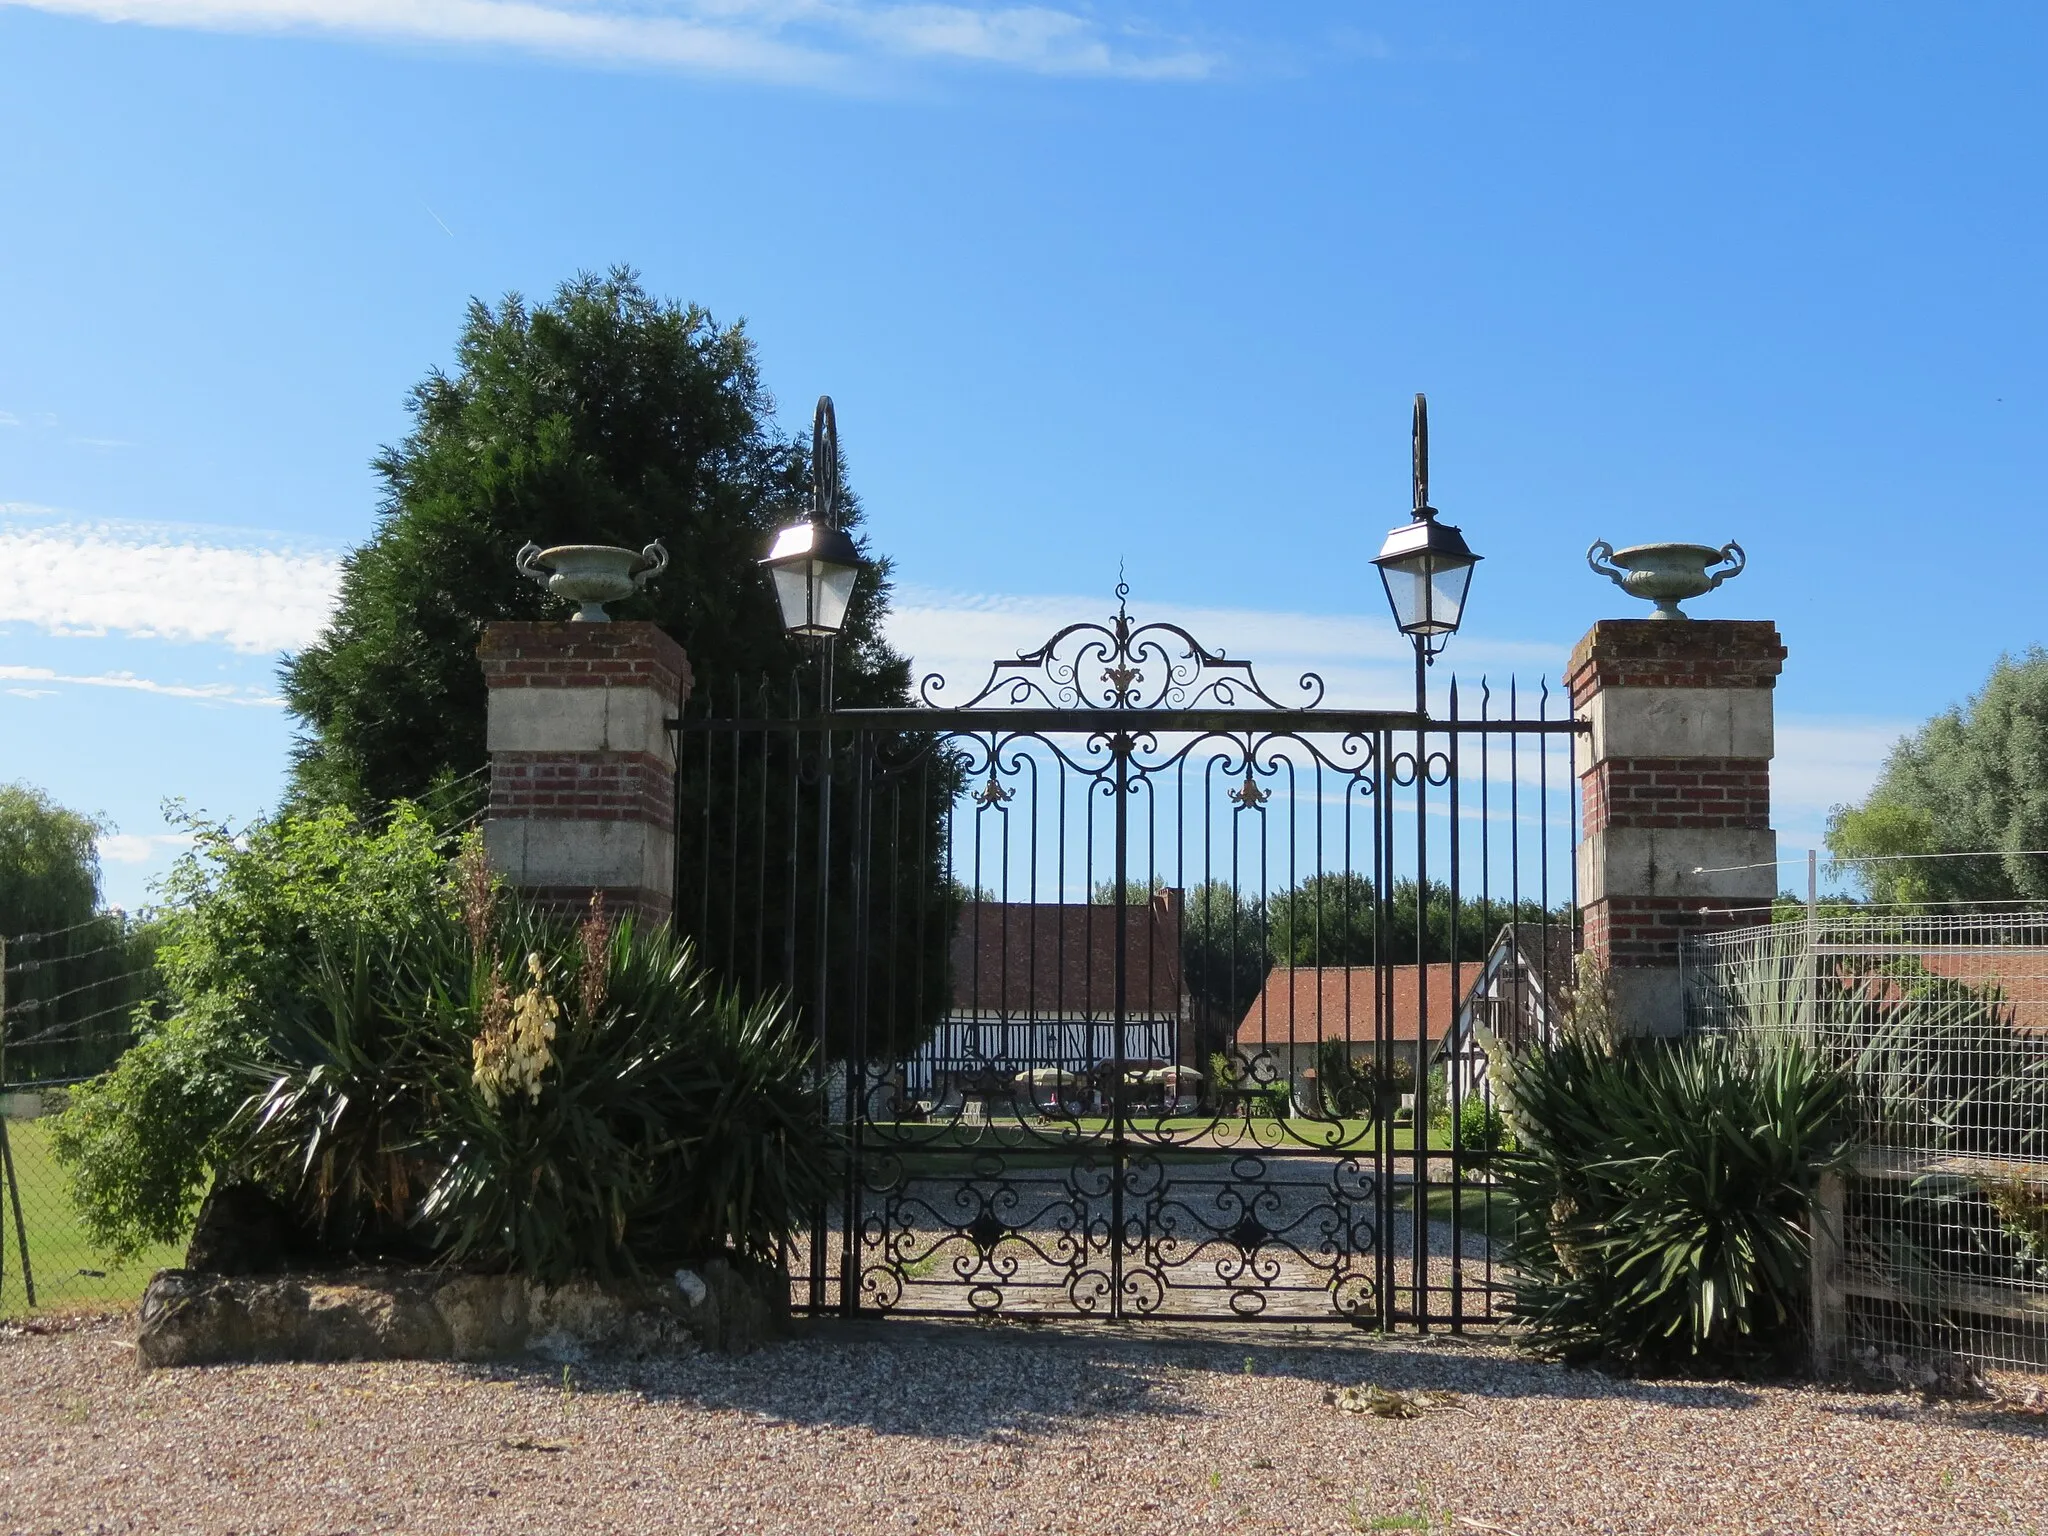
1136,991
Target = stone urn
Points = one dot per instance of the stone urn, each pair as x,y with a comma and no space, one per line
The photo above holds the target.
1664,574
591,575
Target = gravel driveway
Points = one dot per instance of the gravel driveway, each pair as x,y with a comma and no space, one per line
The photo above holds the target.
903,1426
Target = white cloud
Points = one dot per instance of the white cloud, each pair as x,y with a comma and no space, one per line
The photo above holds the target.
808,42
211,693
163,582
1363,662
139,848
1824,761
9,419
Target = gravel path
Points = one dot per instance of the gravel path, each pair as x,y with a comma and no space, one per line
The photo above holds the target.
903,1426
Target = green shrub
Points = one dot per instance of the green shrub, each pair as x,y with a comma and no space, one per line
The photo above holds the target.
1344,1086
1481,1126
140,1141
1667,1188
421,1067
1270,1101
247,915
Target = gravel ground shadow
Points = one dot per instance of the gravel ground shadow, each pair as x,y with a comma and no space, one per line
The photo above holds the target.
977,1380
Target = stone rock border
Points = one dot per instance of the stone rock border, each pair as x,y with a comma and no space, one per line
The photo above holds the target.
189,1317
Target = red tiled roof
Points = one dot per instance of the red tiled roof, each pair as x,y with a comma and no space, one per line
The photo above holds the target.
1301,1005
2018,976
1016,957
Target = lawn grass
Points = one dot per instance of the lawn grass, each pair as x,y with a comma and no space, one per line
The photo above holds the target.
68,1274
1483,1212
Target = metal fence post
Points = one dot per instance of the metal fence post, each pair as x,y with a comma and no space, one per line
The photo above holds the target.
28,1276
1830,1304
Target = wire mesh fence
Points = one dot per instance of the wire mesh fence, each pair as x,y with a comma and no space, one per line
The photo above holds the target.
71,1000
1937,1239
47,1262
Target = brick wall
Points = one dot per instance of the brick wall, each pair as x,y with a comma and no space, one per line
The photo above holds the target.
1663,653
1675,793
584,786
582,791
560,655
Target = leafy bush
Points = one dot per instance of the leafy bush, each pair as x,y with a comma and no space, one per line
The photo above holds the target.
1344,1085
421,1067
1481,1126
1668,1188
246,916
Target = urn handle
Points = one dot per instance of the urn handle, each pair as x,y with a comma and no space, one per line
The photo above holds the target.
1603,551
1729,551
526,562
656,557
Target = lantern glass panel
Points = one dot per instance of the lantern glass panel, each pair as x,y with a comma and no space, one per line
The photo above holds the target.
1408,592
832,592
1448,583
793,595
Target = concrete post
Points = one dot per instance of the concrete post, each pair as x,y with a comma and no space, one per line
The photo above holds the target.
1674,794
582,764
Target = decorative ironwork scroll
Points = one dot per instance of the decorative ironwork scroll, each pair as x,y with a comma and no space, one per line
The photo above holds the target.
1123,665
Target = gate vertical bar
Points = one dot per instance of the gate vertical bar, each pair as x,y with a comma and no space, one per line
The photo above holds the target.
1453,1098
856,1035
1382,1019
1120,745
821,1224
1418,1137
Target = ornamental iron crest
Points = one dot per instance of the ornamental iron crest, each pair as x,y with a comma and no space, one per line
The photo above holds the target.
1123,665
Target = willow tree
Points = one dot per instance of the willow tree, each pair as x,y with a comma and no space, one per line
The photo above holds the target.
1971,781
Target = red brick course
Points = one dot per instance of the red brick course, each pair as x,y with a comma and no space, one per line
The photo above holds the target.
583,786
1662,653
1676,792
1648,930
563,655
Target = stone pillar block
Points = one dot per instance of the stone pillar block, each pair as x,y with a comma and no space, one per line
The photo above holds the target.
1674,794
582,763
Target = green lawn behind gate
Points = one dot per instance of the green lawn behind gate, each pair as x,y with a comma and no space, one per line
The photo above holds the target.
67,1273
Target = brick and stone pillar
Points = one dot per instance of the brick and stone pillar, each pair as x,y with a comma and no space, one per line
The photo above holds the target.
1674,779
582,768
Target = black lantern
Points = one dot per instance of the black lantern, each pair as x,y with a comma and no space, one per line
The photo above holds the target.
814,564
1426,565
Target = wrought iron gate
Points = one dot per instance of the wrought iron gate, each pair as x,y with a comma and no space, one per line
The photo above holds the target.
1139,994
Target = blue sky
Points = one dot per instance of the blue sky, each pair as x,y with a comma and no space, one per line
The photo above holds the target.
1143,282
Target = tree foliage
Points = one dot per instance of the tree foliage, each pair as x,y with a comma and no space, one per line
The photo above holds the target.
1973,779
603,416
1330,919
609,416
49,863
75,973
248,917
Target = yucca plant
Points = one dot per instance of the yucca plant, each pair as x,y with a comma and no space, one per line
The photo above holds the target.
507,1091
1666,1191
337,1121
672,1121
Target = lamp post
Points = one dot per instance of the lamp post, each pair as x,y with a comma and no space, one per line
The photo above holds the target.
1426,568
814,565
